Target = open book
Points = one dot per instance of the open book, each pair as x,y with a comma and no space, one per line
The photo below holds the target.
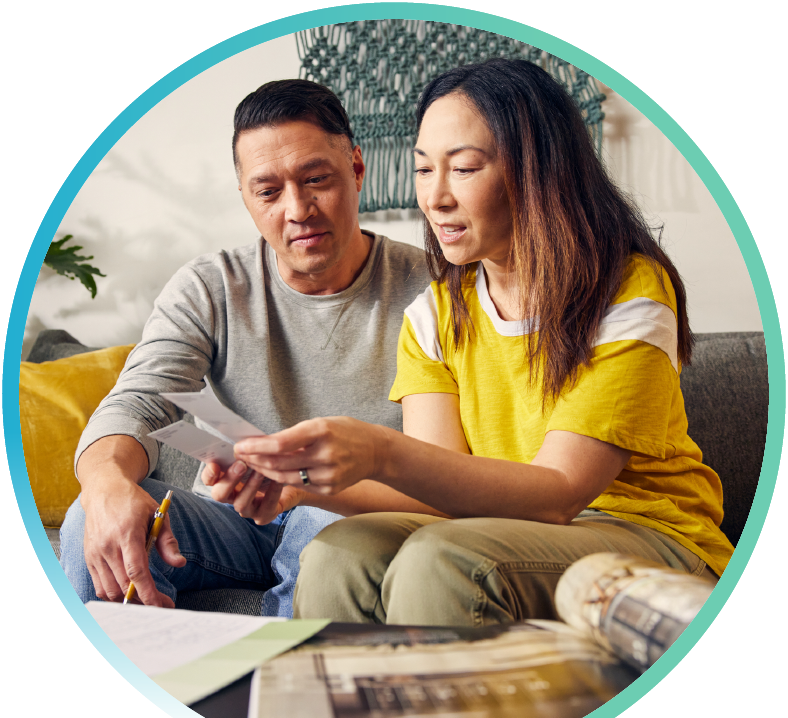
621,614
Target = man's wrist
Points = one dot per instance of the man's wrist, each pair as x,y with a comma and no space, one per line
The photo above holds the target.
108,461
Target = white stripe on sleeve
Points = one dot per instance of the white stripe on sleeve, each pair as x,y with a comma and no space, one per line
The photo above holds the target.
423,315
644,320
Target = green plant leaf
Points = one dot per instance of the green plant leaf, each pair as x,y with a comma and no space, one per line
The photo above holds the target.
67,262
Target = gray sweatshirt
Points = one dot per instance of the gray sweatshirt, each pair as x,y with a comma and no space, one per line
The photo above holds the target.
273,355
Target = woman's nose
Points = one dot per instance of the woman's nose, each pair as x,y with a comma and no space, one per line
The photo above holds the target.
439,194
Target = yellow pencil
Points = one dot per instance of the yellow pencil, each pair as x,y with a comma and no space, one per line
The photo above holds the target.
158,522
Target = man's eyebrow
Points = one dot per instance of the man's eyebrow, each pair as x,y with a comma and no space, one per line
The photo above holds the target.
453,150
306,167
260,179
313,164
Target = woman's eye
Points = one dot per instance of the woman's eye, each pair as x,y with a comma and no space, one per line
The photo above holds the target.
422,170
464,170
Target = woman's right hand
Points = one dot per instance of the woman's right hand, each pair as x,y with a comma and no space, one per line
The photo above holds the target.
252,495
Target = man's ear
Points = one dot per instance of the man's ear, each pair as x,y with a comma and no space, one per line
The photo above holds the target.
359,169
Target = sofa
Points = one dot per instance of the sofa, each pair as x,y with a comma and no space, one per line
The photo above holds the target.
726,394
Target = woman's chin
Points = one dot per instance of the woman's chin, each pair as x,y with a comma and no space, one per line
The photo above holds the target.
458,255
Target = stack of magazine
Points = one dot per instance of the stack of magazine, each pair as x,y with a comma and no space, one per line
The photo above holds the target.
620,615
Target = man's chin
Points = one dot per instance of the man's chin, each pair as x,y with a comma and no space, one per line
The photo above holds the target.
310,266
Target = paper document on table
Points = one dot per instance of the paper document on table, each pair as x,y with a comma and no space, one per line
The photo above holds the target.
200,444
192,654
206,407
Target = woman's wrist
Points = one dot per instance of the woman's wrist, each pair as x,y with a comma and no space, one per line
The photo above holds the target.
383,467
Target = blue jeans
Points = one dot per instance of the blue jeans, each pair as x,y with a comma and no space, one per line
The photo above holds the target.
222,549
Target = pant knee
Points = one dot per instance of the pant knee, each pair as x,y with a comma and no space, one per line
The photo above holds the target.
333,581
72,531
433,580
72,553
343,567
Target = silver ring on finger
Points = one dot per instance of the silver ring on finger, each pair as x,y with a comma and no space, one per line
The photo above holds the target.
304,477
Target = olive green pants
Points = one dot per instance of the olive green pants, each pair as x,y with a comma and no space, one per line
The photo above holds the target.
413,569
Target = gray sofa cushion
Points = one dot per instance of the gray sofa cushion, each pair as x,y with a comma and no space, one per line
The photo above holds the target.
175,467
726,395
52,344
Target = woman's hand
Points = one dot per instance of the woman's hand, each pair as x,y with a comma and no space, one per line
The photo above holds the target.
336,452
252,495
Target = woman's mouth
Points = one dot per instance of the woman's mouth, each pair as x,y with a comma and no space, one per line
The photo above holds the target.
449,233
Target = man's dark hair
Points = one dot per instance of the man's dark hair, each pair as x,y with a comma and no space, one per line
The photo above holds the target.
285,100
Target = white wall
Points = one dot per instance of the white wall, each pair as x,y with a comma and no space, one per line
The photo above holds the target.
167,192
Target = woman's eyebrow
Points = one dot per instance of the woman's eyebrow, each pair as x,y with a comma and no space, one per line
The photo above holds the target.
453,150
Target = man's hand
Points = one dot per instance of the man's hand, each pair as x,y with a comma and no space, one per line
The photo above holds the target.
117,517
253,496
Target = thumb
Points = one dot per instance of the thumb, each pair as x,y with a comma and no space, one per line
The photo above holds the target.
291,497
167,546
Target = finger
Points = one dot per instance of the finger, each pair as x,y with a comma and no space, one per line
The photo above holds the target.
265,463
138,571
95,576
112,590
223,490
289,440
211,473
320,477
245,497
167,546
112,559
267,506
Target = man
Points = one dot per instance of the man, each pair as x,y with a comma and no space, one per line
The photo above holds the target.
301,324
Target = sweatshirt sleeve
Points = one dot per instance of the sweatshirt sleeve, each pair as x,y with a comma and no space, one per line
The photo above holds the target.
174,355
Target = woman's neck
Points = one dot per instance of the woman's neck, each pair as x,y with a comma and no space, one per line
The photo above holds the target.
503,290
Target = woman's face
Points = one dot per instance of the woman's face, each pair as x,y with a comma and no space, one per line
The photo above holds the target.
460,183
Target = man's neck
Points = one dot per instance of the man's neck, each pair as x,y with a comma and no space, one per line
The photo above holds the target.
336,279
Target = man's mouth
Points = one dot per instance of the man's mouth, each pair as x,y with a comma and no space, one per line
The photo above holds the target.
448,233
308,239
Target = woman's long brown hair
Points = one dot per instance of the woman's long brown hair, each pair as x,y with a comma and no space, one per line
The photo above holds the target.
573,229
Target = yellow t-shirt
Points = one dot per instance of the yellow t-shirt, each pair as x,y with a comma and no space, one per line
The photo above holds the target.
628,396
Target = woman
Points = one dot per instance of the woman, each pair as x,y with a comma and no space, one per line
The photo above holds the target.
538,376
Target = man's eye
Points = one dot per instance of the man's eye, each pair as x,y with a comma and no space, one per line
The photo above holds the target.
266,193
316,180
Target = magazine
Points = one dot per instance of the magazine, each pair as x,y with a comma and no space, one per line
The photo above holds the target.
633,608
616,607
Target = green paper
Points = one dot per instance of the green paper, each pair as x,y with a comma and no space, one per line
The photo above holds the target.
203,676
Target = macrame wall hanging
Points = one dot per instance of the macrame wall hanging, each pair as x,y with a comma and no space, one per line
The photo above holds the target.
378,68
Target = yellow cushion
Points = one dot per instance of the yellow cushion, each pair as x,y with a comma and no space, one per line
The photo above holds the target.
56,399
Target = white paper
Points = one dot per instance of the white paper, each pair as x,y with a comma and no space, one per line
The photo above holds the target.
198,443
207,407
160,639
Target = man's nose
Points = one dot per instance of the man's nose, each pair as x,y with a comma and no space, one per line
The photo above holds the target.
300,204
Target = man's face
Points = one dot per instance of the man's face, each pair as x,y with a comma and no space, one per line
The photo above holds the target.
301,188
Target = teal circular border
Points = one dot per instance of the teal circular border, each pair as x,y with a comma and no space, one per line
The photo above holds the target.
380,11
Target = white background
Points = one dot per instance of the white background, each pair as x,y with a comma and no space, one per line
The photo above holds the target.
70,68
